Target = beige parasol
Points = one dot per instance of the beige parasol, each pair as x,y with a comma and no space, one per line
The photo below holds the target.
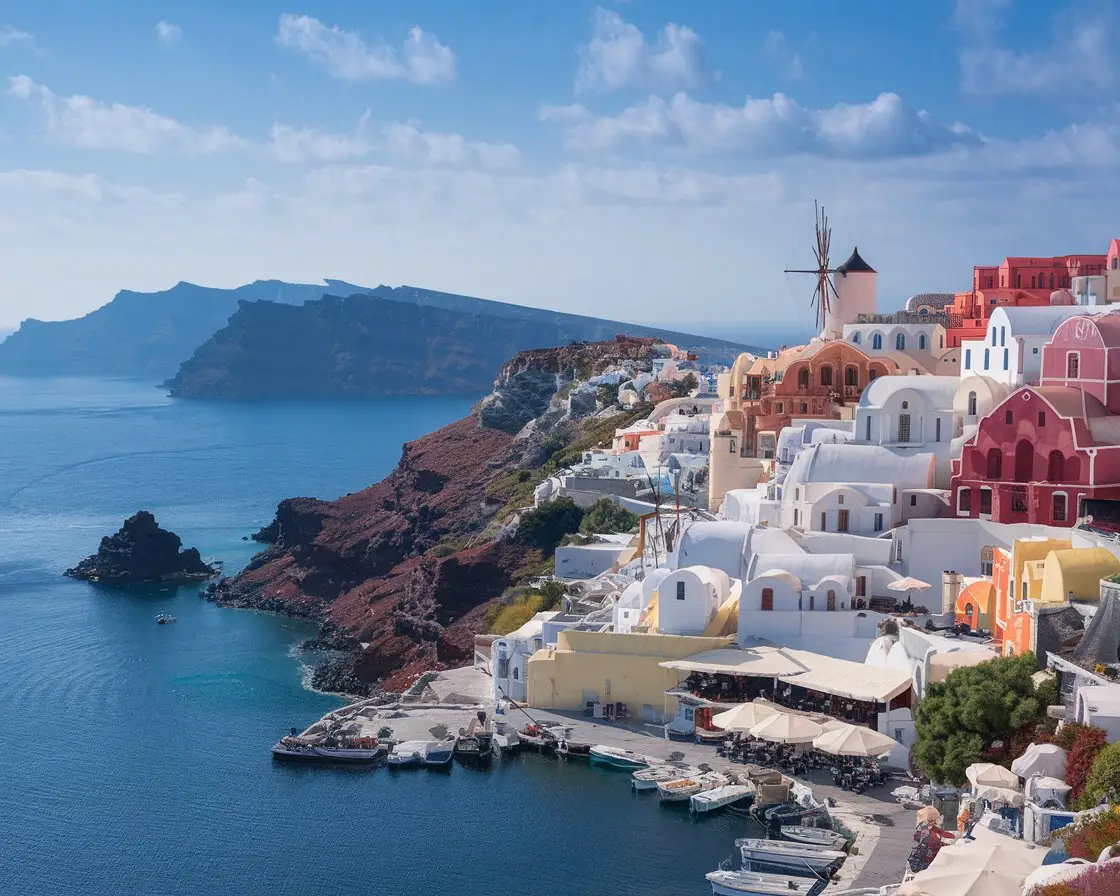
854,740
988,774
783,728
743,718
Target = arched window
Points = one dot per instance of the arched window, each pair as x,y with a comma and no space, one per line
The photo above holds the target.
812,601
768,598
851,376
968,612
1002,336
856,337
971,404
803,378
1058,507
826,376
941,341
871,374
987,356
1073,468
922,341
1055,466
1024,461
515,673
1051,281
830,601
995,464
900,342
987,559
877,341
1006,358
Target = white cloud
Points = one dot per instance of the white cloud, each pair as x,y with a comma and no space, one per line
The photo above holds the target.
409,143
10,35
618,56
290,144
91,124
777,47
422,59
1080,60
167,32
773,126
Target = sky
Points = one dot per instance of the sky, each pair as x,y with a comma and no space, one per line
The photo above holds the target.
644,160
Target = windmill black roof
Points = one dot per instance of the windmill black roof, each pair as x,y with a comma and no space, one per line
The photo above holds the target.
855,264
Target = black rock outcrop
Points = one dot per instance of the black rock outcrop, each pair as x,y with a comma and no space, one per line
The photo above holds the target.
142,552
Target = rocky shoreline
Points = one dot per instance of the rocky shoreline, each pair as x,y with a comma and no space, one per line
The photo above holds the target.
140,551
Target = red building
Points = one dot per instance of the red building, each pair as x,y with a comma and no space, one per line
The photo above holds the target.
1045,449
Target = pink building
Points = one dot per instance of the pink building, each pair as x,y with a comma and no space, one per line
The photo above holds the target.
1045,449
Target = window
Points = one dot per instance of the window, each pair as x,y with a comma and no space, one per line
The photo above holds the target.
987,353
985,500
768,598
913,500
993,336
1032,282
856,336
877,341
1019,502
937,430
851,376
898,551
867,429
804,408
964,501
839,499
503,667
967,359
941,341
680,590
1042,418
515,671
812,601
841,520
987,560
861,586
731,446
905,405
826,376
1008,417
1054,466
922,341
803,378
778,407
1024,461
796,514
1006,357
972,404
1058,507
878,522
904,427
994,464
1002,336
1073,365
830,601
872,373
824,521
797,494
900,342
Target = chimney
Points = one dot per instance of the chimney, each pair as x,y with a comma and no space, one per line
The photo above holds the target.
952,583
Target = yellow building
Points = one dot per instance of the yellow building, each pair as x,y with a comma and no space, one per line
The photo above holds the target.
610,667
1076,574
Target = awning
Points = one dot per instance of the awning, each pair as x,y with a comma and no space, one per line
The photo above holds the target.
843,678
764,662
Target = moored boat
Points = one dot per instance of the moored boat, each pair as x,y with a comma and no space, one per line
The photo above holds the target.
356,750
649,778
164,619
615,757
749,883
407,754
721,797
475,743
682,788
799,858
567,749
815,836
439,753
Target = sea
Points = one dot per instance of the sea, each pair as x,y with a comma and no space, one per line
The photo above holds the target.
134,757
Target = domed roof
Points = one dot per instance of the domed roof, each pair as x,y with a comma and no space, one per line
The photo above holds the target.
855,264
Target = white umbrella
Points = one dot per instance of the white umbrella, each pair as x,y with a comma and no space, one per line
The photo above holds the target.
743,718
988,774
783,728
853,740
983,867
908,584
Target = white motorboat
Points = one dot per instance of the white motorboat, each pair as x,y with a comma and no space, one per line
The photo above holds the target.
407,754
618,758
728,795
797,857
358,749
750,883
649,778
814,836
439,753
681,789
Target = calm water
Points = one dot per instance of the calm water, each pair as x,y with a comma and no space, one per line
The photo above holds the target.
134,757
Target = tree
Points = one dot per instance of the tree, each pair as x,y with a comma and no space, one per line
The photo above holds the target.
685,385
1085,744
552,593
1048,693
971,710
545,526
607,517
606,396
1104,778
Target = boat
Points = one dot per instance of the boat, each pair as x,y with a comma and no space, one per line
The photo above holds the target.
567,749
164,619
814,836
790,814
357,750
614,757
752,883
800,858
439,753
649,778
721,797
682,788
294,748
407,754
475,743
540,737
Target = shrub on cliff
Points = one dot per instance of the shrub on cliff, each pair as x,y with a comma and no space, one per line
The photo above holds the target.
606,517
1104,777
973,708
685,385
1085,744
545,526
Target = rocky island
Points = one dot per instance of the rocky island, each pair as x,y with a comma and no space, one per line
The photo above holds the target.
400,576
141,551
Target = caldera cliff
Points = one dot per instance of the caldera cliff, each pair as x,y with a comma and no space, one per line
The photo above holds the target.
400,575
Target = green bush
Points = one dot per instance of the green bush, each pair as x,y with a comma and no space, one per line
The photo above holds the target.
607,517
1048,693
545,526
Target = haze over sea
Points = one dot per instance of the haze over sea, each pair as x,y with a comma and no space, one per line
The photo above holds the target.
134,757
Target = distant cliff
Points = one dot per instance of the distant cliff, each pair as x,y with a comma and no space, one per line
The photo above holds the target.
149,335
365,346
400,575
140,335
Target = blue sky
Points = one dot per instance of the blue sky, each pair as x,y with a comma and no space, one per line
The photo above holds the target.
650,160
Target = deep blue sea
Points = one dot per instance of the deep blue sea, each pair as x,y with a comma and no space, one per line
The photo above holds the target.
134,758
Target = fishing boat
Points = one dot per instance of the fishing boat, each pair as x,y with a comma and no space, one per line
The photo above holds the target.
164,619
790,814
649,778
814,836
541,737
721,797
800,858
750,883
618,758
567,749
407,754
294,748
682,788
475,743
357,750
439,753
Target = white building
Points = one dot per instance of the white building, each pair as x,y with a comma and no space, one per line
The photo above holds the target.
856,283
720,544
924,342
635,599
689,598
510,656
910,415
862,489
811,432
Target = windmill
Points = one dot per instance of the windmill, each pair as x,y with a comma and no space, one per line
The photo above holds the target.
825,293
